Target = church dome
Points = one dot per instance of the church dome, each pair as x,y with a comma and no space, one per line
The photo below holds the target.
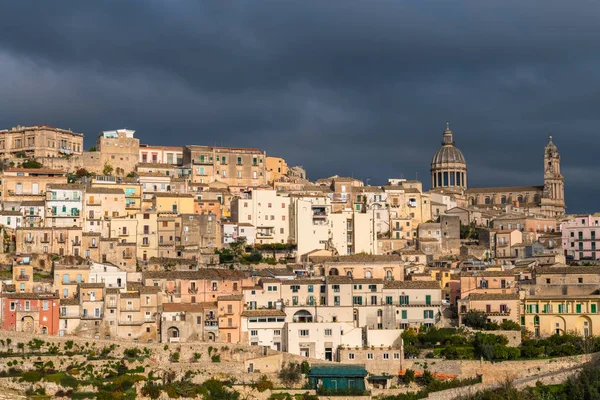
448,165
448,154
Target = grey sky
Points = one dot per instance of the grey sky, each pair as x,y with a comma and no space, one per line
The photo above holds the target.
359,88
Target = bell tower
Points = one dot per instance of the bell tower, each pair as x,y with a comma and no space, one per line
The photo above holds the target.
553,200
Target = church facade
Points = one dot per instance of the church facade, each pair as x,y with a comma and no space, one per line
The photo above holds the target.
449,175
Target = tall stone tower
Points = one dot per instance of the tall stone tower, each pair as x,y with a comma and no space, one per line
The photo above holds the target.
553,199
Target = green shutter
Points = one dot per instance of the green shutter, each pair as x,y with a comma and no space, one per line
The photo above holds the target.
428,300
578,308
425,314
404,314
593,308
522,320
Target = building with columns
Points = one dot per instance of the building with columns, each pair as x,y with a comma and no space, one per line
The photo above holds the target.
449,175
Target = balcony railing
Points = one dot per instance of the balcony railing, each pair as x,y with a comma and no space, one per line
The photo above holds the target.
111,304
92,316
22,277
23,308
137,322
76,243
73,314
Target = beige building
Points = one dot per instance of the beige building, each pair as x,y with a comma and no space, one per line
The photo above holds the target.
233,166
40,141
497,307
118,149
20,184
361,266
171,155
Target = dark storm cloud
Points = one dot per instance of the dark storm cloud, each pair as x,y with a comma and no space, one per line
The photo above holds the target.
359,88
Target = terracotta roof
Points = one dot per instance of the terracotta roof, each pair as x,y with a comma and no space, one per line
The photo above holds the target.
10,212
357,258
162,194
130,295
102,190
113,290
33,203
411,285
184,307
65,186
263,313
494,296
205,273
562,269
231,297
508,273
301,281
91,285
35,296
338,279
69,302
149,289
36,170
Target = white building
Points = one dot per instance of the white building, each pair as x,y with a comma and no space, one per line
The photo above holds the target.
320,340
309,223
266,211
64,205
263,328
111,276
11,219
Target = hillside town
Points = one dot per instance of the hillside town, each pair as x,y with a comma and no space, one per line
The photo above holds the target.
147,244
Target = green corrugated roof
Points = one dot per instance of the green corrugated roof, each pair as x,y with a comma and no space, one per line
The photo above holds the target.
319,370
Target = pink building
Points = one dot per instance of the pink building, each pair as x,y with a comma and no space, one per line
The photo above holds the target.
581,237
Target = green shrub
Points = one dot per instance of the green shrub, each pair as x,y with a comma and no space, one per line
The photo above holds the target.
31,377
216,358
263,384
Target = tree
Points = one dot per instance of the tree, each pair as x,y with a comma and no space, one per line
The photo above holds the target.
237,248
108,169
92,149
509,325
409,376
81,172
475,319
31,163
290,374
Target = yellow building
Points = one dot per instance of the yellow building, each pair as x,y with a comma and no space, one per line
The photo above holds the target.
550,314
132,190
276,168
28,183
173,202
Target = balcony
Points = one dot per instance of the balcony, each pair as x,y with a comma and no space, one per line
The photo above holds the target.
62,240
23,308
22,277
94,245
76,243
94,203
138,322
44,240
92,316
111,304
71,282
131,308
128,256
211,325
29,240
70,314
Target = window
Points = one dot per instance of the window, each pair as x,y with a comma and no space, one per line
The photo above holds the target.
303,332
404,300
350,356
388,300
386,356
428,314
369,356
396,356
253,333
336,300
328,332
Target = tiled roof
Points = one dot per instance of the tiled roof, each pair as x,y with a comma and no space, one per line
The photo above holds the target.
130,295
339,279
112,290
205,273
149,289
263,313
66,186
91,285
104,190
184,307
231,297
494,296
411,285
301,281
191,196
36,170
69,302
357,258
30,295
508,273
562,269
10,212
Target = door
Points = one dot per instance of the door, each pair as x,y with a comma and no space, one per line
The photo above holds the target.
35,188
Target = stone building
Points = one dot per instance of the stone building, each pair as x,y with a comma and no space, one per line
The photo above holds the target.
233,166
40,141
119,150
449,173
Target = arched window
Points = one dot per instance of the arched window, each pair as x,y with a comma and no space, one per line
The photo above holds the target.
536,198
536,320
388,275
503,200
349,274
368,274
334,272
380,313
487,200
473,201
520,199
